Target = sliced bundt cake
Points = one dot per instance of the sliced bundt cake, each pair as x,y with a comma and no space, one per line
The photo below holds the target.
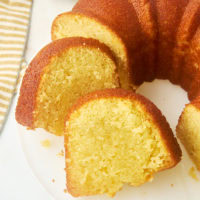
188,130
115,137
59,74
149,39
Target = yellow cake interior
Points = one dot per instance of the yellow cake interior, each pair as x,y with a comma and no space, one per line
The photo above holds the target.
110,142
68,76
73,25
188,132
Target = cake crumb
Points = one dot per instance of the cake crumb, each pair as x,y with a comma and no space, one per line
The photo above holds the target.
61,153
65,190
46,143
172,185
192,173
53,180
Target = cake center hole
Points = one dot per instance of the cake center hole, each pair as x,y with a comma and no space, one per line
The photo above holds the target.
169,98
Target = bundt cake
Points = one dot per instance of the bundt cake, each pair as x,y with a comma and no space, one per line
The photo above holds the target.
149,39
59,74
120,18
113,137
173,33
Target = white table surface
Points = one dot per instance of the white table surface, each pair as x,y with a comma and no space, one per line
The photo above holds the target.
17,181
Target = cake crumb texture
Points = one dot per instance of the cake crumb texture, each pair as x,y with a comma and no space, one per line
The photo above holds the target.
111,139
75,24
61,72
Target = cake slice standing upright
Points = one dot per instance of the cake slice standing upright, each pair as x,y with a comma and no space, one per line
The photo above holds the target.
113,137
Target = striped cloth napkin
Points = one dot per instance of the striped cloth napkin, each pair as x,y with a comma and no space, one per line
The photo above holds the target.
14,26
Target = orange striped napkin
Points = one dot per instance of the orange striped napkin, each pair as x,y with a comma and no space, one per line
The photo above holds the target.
14,26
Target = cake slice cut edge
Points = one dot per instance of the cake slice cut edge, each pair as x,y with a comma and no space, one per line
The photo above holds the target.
113,137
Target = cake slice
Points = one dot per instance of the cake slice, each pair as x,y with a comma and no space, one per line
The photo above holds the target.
188,130
113,137
133,20
72,24
186,30
60,73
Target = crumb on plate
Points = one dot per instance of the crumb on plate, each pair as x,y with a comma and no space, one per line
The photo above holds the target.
46,143
192,173
61,153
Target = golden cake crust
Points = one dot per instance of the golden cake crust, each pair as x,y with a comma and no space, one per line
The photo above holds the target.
190,71
147,19
195,88
28,92
168,14
125,18
190,79
186,30
159,120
